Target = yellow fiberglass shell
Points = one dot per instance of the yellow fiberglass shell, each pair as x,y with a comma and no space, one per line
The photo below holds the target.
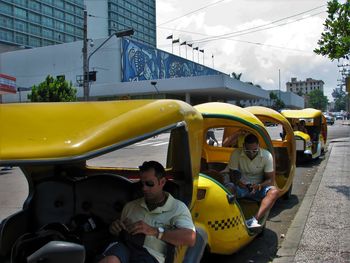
62,132
216,113
299,114
224,222
283,180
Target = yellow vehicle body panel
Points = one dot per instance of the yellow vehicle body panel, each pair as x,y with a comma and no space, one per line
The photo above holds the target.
304,113
314,144
225,225
224,221
33,131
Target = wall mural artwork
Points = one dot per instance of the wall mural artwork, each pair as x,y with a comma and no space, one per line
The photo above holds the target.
142,62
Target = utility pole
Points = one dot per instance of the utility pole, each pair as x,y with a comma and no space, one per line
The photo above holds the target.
279,84
85,60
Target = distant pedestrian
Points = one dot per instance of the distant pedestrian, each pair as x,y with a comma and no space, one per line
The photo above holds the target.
211,137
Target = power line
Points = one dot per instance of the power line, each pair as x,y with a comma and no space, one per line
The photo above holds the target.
251,30
194,11
208,39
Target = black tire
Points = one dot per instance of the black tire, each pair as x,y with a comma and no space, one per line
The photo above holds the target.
288,194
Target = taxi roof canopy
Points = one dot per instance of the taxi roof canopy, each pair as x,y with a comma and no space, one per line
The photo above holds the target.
225,109
304,113
82,130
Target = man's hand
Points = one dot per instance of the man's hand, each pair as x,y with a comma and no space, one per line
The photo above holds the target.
141,227
116,227
255,188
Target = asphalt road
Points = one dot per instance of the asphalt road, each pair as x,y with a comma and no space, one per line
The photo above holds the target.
14,189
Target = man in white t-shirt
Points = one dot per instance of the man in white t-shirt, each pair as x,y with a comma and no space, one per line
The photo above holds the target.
257,176
157,218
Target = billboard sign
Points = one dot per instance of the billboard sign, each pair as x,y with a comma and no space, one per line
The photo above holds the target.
143,62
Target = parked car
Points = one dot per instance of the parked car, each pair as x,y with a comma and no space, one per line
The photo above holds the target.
329,119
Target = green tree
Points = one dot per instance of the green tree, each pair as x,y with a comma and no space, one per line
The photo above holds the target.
335,40
53,90
317,100
276,103
339,96
236,76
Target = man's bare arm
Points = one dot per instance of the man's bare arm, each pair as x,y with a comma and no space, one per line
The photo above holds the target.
180,236
177,237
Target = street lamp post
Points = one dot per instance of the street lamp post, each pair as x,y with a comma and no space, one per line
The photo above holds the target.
123,33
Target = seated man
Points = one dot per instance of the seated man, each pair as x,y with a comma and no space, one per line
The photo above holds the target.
155,219
301,126
257,176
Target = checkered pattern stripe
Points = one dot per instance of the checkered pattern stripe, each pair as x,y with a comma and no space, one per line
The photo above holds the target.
225,223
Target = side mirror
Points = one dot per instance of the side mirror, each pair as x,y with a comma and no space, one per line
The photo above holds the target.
230,198
58,252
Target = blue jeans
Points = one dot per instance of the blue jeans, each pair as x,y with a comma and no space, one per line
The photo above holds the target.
242,192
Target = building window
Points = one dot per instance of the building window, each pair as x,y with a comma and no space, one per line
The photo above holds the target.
58,36
21,39
20,26
6,35
79,21
34,5
47,42
59,3
47,33
34,17
70,18
58,14
47,21
47,1
19,12
6,22
47,10
5,8
69,29
59,25
20,2
35,30
34,42
69,8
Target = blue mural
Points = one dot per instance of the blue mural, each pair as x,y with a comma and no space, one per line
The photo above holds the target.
142,62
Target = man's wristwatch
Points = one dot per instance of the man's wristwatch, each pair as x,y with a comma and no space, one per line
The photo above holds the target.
160,232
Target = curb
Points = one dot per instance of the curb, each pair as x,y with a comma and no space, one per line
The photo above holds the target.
286,253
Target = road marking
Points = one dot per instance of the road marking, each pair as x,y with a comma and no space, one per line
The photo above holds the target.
143,143
159,144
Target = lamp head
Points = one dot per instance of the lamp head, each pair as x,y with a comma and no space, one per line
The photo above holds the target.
124,33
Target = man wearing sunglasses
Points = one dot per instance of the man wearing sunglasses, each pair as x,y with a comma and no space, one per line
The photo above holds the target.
149,223
256,176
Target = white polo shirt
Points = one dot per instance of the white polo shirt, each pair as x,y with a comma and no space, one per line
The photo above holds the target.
252,170
173,214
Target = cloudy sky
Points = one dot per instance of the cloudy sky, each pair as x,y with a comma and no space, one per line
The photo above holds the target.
262,37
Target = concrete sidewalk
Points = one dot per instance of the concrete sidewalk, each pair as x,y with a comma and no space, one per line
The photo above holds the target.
320,231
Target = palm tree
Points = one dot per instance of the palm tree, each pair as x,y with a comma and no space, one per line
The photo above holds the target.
236,76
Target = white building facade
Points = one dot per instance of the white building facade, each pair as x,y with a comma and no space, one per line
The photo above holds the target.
303,87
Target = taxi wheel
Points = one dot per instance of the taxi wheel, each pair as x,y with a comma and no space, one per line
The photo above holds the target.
288,194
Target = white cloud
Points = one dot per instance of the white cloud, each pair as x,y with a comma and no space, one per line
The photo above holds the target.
288,48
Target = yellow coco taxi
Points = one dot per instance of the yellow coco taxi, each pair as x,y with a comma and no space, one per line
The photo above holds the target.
283,141
216,209
310,130
74,193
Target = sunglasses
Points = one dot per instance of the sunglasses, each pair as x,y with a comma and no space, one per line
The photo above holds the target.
251,151
147,183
